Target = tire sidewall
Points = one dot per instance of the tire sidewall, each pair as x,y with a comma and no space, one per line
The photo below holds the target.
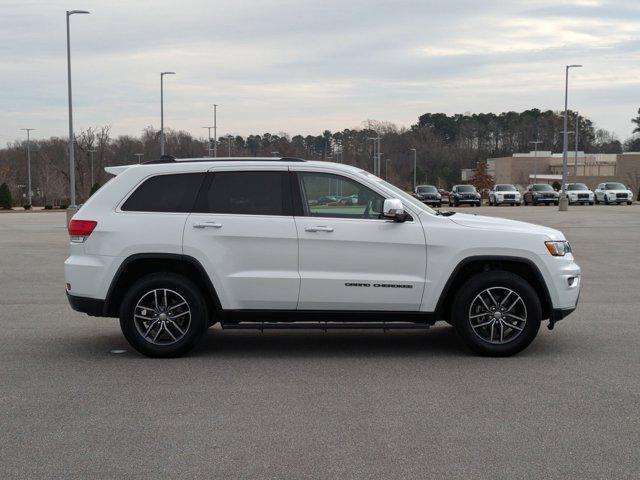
473,287
191,294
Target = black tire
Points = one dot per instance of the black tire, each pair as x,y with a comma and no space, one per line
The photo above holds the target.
590,203
629,203
195,303
606,200
438,205
535,204
463,302
597,201
556,203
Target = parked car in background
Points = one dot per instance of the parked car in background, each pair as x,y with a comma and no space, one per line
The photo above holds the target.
444,194
613,193
579,193
464,194
504,194
540,193
429,194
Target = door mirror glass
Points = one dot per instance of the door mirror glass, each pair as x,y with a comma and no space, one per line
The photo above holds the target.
393,209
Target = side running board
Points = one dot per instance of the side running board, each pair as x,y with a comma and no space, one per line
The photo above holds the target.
262,326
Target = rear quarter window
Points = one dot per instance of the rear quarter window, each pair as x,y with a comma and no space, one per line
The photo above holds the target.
175,193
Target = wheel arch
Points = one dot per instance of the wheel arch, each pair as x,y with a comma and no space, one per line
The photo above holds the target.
139,265
471,266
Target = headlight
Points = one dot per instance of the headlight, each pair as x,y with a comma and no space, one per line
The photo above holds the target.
558,248
438,196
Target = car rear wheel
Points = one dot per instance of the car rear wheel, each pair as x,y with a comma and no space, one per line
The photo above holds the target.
496,313
163,315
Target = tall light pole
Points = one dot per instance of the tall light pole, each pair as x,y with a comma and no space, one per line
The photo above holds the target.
229,138
535,159
386,169
162,74
215,130
139,156
415,163
28,130
72,163
92,152
377,154
209,147
575,156
564,201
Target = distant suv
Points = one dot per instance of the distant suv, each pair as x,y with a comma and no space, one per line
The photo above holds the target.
540,193
174,247
429,194
464,194
504,194
579,193
613,193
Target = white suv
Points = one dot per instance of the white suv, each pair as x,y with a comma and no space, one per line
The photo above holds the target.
504,194
173,247
613,193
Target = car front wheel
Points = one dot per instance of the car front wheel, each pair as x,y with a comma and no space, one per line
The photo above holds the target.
163,315
496,313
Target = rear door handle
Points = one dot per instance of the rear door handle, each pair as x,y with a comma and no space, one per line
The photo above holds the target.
207,225
319,228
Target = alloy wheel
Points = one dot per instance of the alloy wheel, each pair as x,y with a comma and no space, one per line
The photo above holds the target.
162,316
498,315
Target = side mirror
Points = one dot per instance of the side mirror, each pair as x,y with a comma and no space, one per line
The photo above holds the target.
393,209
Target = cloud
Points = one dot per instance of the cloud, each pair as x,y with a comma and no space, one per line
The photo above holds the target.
302,66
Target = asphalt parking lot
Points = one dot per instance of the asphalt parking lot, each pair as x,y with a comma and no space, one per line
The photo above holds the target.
314,405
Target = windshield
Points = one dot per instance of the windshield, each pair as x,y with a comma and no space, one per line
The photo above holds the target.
402,195
466,188
614,186
543,188
427,189
577,186
505,188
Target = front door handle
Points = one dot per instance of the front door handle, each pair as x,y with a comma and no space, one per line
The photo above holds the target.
207,225
319,228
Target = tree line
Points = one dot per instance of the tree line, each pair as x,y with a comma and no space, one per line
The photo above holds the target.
444,145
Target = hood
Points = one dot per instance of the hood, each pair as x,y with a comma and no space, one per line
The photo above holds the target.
618,191
503,224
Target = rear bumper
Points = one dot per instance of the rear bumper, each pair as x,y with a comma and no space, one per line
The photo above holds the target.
90,306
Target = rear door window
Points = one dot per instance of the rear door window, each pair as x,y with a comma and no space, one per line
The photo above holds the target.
246,193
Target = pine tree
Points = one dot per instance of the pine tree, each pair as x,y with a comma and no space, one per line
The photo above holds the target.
636,120
5,197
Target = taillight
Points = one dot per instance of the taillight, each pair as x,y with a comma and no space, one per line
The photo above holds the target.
79,230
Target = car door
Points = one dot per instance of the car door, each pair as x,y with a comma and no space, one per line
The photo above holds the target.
350,257
242,231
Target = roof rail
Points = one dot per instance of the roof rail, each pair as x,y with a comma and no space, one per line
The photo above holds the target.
172,159
162,159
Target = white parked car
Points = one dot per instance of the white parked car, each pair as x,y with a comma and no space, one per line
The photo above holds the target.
579,193
504,194
173,247
613,192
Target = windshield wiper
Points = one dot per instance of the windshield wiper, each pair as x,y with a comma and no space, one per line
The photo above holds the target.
446,213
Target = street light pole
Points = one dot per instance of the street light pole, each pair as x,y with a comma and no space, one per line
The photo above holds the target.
564,201
162,74
535,159
28,130
92,152
72,163
415,162
209,147
386,169
575,158
215,130
229,138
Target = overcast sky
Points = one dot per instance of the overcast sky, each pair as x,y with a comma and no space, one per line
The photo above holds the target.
301,66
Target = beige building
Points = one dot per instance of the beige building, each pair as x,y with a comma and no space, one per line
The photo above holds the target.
590,168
